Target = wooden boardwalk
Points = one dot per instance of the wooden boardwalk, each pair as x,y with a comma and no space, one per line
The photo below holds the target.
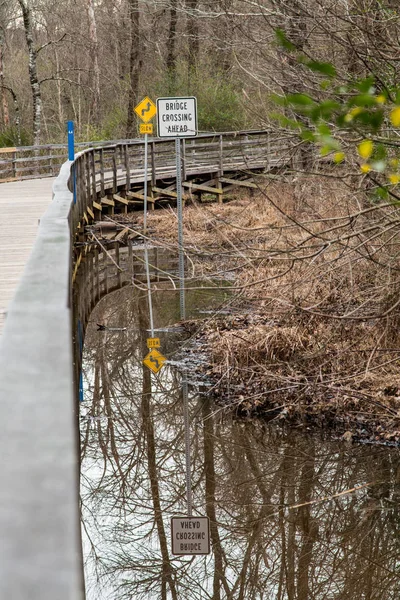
22,204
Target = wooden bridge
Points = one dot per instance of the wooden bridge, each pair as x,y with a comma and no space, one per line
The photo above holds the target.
66,275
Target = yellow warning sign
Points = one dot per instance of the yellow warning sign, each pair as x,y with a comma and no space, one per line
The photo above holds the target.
146,109
146,128
153,342
154,360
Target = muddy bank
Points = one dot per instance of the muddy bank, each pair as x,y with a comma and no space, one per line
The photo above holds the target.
310,332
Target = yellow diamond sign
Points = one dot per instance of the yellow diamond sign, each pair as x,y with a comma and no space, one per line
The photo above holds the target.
154,360
146,109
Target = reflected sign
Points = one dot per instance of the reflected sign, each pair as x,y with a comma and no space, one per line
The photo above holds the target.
190,535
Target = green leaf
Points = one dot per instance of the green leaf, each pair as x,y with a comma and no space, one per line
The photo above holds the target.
362,100
280,100
325,84
381,193
283,41
300,99
308,136
323,129
322,67
286,122
365,86
380,152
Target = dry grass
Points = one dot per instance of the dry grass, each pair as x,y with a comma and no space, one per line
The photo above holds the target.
316,271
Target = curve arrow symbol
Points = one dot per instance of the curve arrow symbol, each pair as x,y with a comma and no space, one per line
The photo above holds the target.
145,110
154,360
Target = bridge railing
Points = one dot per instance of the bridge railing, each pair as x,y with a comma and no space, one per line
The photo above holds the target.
33,162
29,162
106,170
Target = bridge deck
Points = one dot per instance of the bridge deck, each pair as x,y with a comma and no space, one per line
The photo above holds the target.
21,206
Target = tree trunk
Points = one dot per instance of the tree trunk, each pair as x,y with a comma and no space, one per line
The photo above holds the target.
171,47
35,86
193,37
95,53
4,103
134,65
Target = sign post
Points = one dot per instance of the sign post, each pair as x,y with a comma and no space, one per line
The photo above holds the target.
177,118
146,110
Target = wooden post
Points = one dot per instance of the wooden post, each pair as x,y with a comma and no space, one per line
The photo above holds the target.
221,156
130,258
153,165
101,157
88,184
183,158
127,168
117,260
114,166
93,165
97,275
105,270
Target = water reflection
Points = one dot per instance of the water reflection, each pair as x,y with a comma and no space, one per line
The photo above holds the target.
281,527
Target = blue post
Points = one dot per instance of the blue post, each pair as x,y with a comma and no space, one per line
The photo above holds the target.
80,346
71,152
71,141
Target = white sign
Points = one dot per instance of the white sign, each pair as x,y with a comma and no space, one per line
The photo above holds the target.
190,535
177,117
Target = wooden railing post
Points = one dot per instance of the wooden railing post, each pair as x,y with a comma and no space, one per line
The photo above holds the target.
101,157
114,166
153,165
221,156
127,168
183,159
93,169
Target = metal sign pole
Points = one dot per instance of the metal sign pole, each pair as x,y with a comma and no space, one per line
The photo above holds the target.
180,229
146,253
183,316
185,397
145,185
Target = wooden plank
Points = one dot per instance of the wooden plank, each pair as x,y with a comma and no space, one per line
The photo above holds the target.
167,192
242,183
7,150
202,188
78,262
120,199
121,234
139,196
107,201
91,213
97,205
21,206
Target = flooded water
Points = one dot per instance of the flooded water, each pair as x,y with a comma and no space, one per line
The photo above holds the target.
292,517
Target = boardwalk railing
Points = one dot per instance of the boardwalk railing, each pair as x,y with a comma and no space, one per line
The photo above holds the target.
39,519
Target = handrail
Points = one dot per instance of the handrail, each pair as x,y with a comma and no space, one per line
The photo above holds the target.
29,162
39,520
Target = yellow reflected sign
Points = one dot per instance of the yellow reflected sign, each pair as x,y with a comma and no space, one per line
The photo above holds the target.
146,128
154,360
146,109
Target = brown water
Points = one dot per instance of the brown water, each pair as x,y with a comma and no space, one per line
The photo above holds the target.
293,517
